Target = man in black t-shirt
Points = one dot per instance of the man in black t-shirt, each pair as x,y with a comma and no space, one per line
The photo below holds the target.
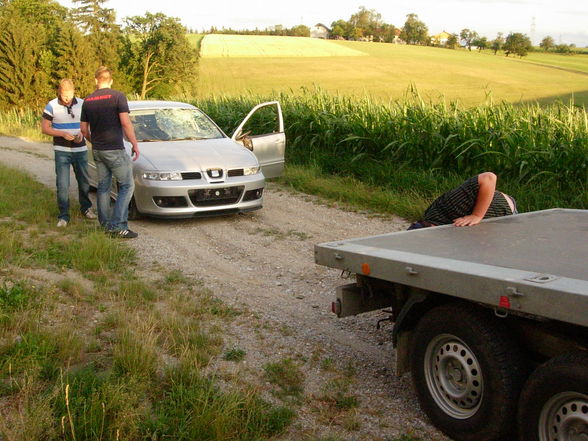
468,204
104,120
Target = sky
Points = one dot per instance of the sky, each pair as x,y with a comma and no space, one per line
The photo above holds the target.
564,20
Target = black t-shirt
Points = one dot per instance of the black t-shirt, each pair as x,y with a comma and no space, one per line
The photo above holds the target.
460,202
101,110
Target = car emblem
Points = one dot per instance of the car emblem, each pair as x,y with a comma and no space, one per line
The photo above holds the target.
217,193
215,173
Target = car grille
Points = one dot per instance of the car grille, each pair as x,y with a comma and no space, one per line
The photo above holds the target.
191,176
215,173
235,172
210,197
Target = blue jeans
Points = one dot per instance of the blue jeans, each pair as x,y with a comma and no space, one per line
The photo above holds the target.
117,164
79,162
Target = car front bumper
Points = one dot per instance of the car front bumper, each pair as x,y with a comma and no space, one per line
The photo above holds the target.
194,198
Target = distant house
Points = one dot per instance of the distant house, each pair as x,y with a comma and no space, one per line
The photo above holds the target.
320,31
397,39
440,39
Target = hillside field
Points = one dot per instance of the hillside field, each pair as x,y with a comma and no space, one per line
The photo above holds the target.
233,46
385,72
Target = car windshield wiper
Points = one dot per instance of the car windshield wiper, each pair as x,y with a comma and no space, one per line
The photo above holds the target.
150,140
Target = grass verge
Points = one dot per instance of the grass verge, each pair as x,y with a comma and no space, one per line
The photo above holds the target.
92,349
352,194
24,123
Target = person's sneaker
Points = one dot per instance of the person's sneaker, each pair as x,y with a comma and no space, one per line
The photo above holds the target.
89,214
124,234
61,223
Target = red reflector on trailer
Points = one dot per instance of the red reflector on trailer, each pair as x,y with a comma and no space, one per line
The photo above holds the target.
336,307
365,269
504,302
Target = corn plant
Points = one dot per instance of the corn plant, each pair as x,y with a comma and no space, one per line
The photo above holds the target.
531,148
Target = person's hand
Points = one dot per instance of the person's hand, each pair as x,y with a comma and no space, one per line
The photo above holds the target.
135,152
467,221
79,137
68,136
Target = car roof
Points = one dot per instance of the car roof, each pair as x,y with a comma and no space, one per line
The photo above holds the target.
139,105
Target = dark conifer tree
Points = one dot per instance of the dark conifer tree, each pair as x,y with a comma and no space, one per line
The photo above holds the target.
75,58
104,35
24,80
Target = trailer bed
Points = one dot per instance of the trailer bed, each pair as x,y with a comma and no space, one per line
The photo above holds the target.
535,263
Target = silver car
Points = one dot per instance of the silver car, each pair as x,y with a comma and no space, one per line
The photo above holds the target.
188,167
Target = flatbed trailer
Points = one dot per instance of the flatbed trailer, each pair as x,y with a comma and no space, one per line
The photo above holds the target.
491,320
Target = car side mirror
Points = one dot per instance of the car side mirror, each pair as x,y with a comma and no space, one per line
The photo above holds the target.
241,136
245,140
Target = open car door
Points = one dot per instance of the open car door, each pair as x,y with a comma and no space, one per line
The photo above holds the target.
262,132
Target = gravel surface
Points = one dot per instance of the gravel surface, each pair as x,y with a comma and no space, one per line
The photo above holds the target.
263,263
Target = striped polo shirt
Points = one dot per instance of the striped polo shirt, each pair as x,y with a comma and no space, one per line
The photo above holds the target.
66,118
460,202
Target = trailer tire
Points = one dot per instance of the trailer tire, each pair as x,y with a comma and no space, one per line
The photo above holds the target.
554,400
467,372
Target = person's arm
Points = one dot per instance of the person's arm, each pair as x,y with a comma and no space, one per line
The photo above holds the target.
85,129
487,187
48,129
129,131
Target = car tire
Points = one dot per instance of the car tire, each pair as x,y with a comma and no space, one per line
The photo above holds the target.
467,372
554,400
134,213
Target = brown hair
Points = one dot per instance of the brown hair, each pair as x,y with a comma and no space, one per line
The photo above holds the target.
103,74
66,83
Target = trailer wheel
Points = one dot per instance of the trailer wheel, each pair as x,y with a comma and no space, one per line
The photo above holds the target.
554,401
467,372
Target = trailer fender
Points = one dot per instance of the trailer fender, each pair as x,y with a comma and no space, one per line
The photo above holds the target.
415,297
400,333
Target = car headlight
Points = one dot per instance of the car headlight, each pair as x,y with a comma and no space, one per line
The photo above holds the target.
250,171
162,176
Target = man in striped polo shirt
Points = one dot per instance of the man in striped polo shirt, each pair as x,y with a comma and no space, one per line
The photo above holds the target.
468,204
61,120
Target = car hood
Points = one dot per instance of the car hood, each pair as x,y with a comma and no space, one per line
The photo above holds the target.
196,155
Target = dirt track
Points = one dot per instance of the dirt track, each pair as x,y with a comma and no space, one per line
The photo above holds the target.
264,262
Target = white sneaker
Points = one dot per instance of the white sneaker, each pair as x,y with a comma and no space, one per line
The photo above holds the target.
89,214
61,223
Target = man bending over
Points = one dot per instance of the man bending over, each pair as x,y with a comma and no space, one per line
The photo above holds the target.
468,204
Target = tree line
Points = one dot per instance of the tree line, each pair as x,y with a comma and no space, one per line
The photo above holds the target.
277,30
42,42
548,45
367,24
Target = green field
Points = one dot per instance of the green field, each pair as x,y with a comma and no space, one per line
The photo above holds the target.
256,46
387,71
577,62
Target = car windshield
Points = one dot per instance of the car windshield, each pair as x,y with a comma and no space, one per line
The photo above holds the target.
173,125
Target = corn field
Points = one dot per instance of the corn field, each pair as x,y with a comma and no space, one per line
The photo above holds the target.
539,153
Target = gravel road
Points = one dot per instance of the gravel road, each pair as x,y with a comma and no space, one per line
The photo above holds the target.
263,262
